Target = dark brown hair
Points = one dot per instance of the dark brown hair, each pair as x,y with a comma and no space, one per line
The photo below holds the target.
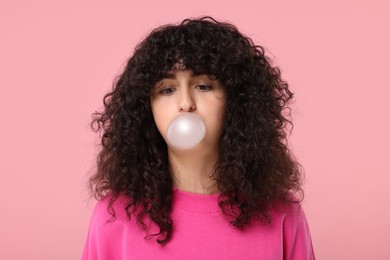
255,170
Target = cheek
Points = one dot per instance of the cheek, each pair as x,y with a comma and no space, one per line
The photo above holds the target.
215,117
219,107
221,116
161,120
221,112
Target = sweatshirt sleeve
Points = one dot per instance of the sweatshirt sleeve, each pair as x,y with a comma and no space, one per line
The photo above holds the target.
297,243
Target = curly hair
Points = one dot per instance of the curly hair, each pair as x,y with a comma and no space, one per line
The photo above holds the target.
255,169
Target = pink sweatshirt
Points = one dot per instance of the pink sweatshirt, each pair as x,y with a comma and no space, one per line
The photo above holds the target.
200,232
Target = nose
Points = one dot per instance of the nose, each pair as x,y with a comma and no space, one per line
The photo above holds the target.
186,102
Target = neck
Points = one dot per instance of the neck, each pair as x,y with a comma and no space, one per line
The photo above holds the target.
192,171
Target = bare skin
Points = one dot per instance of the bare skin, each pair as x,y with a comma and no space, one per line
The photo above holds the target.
183,92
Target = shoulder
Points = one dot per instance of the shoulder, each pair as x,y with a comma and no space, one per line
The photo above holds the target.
105,210
297,242
291,216
295,218
105,230
289,210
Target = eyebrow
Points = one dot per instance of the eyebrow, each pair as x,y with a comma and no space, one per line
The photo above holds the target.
170,75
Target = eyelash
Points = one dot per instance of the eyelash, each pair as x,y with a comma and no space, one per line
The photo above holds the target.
207,86
163,92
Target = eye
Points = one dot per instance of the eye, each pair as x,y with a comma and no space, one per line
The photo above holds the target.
167,91
203,87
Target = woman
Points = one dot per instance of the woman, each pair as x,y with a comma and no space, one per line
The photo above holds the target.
235,194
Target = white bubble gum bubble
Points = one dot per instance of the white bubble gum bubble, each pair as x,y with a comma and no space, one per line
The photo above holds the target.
186,131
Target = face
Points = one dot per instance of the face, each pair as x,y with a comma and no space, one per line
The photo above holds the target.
182,92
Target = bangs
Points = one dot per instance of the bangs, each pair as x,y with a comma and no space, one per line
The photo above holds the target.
172,49
201,47
199,63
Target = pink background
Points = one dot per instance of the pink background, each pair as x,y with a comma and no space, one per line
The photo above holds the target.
58,59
